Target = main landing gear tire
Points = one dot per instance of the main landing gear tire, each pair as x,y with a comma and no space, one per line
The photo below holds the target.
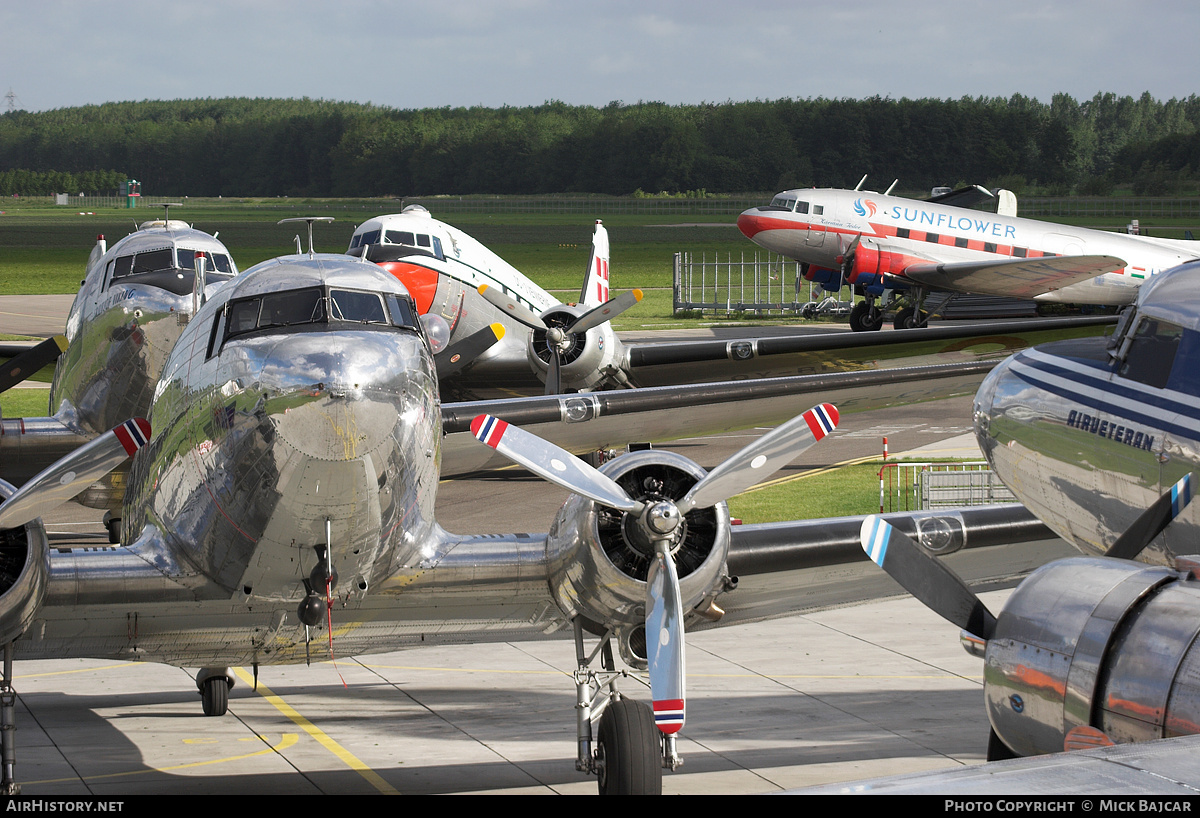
908,318
865,317
215,695
997,750
629,749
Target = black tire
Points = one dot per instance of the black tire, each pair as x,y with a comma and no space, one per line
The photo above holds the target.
215,695
907,318
865,317
114,531
630,750
997,750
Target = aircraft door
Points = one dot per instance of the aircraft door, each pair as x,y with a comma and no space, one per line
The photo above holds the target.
816,226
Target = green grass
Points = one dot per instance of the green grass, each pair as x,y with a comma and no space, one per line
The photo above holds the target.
25,403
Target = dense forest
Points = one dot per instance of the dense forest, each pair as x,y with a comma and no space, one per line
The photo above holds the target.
303,147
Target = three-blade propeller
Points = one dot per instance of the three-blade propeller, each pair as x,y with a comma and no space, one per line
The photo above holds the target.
945,593
559,337
72,474
660,521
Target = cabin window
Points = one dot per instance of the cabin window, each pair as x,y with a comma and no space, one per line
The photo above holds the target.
801,207
818,210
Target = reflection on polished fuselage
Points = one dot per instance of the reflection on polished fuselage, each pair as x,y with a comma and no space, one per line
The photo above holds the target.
1088,433
299,404
133,304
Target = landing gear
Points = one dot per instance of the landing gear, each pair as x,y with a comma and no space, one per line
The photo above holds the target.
629,753
628,750
997,750
866,317
113,526
214,685
911,318
8,727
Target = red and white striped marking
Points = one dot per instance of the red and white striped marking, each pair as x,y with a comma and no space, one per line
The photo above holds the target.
133,434
822,419
668,715
488,429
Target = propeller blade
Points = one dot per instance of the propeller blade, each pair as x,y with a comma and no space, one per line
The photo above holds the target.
761,458
460,353
665,642
926,577
512,307
551,463
607,311
1152,521
554,372
72,474
22,366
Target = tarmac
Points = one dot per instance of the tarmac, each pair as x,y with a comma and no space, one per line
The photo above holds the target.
835,696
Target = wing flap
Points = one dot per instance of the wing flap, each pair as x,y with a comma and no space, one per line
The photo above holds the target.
1014,278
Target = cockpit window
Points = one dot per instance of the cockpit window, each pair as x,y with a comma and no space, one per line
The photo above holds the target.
347,305
400,237
217,262
317,309
786,202
1151,353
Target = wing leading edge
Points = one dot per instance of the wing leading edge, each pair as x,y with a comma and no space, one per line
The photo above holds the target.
1015,278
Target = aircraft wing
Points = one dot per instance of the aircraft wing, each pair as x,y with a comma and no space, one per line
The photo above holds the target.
661,364
588,422
793,567
1014,278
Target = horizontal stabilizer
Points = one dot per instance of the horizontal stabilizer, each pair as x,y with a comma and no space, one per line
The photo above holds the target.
1013,278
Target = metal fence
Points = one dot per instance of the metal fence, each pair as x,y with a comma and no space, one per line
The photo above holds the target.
760,283
922,486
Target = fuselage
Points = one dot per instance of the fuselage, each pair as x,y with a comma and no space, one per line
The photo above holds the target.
818,227
1088,433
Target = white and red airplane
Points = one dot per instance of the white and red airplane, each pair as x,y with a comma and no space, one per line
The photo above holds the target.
888,248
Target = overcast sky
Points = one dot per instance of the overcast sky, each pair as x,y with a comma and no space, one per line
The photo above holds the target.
61,53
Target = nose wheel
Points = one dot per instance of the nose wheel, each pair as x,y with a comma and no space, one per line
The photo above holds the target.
214,684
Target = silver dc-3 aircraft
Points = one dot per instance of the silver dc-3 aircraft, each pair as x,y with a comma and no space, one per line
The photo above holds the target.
282,510
133,302
1100,439
889,248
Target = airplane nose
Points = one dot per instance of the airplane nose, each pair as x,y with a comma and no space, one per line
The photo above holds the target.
751,223
343,394
984,407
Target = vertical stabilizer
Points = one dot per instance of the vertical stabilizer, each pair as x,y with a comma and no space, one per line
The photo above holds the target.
595,280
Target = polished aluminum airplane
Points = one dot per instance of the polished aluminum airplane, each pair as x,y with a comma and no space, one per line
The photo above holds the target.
1099,438
289,486
887,247
133,303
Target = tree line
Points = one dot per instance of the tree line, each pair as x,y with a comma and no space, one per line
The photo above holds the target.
304,147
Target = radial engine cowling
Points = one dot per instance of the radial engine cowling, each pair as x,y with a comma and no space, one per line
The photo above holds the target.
1100,642
586,358
598,561
24,573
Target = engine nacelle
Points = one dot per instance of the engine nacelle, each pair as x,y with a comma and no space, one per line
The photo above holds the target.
24,573
872,266
1100,642
589,358
598,563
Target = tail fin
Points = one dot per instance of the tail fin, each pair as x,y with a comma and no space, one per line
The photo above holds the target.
595,280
